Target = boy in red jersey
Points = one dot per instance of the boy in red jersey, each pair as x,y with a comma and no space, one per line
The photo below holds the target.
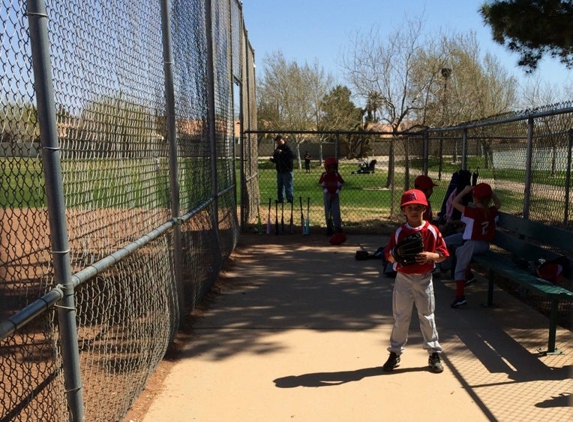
331,182
413,283
479,231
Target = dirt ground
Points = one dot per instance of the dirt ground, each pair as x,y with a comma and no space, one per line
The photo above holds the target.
493,366
185,335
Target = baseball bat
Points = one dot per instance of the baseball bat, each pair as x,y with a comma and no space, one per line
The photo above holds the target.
259,224
307,222
291,219
276,218
269,218
301,216
282,218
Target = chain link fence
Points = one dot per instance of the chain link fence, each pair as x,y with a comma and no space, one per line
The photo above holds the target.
525,156
118,192
130,161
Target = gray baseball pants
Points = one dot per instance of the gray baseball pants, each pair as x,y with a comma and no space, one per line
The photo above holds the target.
410,290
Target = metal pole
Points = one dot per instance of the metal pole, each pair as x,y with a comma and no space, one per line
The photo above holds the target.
212,118
426,153
529,159
336,143
43,85
568,178
465,149
173,165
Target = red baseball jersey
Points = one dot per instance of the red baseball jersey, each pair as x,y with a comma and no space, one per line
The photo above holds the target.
433,242
479,224
331,182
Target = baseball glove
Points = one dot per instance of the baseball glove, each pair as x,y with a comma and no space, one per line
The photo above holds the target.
406,250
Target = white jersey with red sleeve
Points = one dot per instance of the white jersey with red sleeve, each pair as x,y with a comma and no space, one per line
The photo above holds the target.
433,242
480,223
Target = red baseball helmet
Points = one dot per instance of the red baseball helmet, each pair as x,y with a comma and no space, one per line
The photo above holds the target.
424,182
482,191
330,161
337,239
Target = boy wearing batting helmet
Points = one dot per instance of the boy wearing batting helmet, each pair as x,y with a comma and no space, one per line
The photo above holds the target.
331,182
413,285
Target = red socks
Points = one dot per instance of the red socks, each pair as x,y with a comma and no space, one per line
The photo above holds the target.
460,288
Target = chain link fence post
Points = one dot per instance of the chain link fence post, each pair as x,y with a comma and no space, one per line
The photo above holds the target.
38,21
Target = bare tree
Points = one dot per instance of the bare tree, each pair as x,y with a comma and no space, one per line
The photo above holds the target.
380,71
289,96
476,86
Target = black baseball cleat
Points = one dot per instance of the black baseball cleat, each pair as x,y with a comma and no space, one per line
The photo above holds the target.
459,301
435,363
392,362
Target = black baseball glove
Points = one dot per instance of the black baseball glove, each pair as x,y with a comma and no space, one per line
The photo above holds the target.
406,250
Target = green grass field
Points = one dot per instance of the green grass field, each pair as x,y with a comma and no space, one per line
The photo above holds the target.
107,183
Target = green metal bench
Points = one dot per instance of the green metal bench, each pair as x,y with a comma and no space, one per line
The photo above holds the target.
518,240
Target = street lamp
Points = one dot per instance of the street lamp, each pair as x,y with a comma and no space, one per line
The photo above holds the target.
446,72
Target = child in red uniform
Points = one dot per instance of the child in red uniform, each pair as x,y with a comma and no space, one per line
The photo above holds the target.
413,283
331,182
479,231
426,185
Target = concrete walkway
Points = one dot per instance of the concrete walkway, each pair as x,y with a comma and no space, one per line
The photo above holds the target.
300,330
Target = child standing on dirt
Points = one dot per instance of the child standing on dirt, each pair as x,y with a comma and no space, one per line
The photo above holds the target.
331,182
413,285
479,231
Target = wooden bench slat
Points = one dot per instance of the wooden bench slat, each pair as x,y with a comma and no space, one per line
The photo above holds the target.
509,269
554,236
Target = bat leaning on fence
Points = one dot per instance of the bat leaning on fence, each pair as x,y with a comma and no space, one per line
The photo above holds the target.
276,218
307,222
259,223
301,216
282,218
269,218
291,218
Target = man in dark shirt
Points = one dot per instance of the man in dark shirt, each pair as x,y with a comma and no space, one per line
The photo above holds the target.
283,159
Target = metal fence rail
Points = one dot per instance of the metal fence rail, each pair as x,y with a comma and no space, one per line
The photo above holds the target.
118,195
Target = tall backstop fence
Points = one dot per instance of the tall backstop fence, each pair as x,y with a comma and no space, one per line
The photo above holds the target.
129,161
120,143
524,155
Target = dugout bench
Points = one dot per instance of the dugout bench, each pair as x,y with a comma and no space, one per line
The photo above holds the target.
518,241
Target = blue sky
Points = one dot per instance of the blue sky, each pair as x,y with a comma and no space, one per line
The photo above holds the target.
309,30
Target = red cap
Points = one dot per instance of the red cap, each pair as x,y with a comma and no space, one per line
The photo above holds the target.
482,190
413,196
423,183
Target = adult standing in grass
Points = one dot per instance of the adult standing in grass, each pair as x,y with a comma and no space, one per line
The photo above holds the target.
307,159
283,159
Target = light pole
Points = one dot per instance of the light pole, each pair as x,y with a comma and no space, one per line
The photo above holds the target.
446,72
